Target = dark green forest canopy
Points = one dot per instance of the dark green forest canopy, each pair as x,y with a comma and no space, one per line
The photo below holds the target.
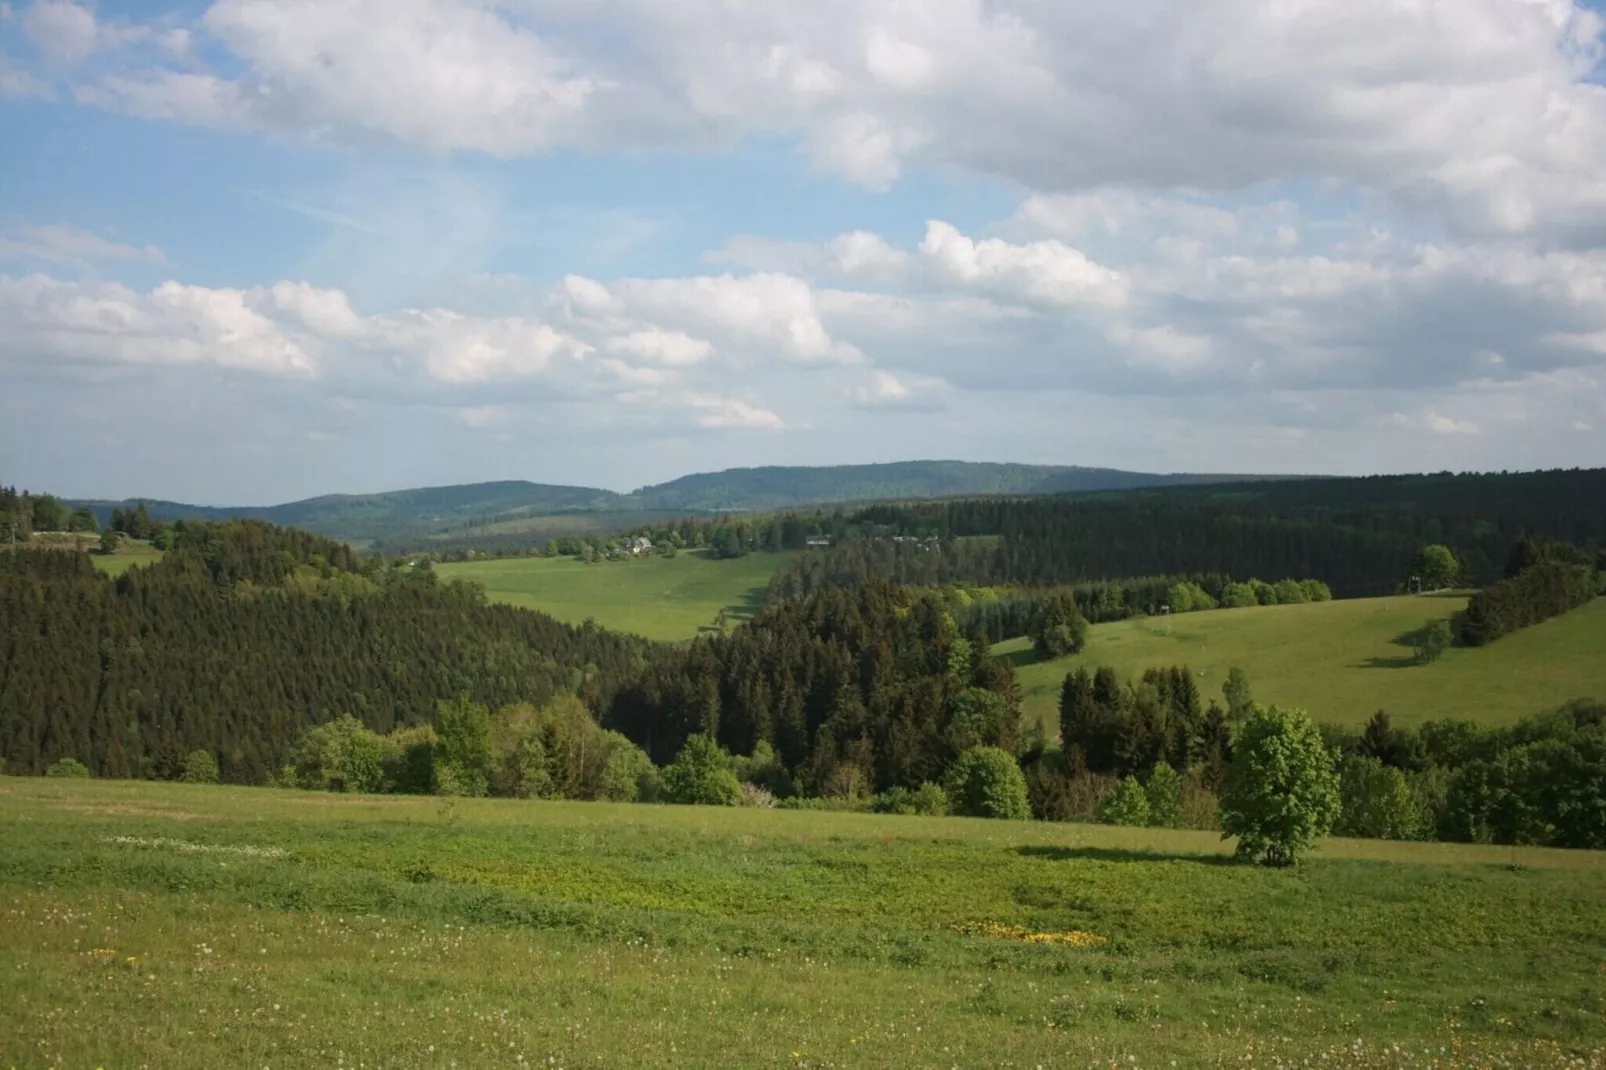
247,634
1358,535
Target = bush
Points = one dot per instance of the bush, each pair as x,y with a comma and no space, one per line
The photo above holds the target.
1128,804
701,775
1164,792
200,768
1317,591
1282,791
68,767
987,782
1378,802
753,795
929,800
1290,592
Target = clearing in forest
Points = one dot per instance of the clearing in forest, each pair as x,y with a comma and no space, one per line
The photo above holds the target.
665,598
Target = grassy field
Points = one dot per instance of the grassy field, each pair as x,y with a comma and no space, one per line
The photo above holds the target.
658,597
1345,660
170,925
132,553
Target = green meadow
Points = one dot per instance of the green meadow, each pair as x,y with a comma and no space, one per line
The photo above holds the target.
176,926
133,552
665,598
1342,661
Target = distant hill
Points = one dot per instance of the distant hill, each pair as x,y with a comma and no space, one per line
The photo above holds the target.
423,511
778,487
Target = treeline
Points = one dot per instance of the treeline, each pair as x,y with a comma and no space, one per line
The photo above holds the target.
856,691
23,513
1011,612
1543,581
243,636
1541,781
1360,536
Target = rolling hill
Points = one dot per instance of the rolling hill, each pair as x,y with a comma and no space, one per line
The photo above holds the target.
422,512
1343,660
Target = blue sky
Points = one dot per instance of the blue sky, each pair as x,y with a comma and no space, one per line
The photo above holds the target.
257,250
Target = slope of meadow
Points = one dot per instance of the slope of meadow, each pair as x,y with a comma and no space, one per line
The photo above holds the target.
176,925
665,598
1344,660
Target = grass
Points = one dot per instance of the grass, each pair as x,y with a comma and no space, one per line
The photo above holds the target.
1342,661
171,925
666,598
133,552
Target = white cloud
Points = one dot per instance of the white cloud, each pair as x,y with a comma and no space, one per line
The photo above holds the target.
765,315
723,412
1046,271
1486,118
97,323
65,244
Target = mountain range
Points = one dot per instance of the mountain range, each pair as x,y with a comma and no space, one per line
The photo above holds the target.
432,511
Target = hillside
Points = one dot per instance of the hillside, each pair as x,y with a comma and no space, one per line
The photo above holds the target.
519,507
780,487
1344,660
657,597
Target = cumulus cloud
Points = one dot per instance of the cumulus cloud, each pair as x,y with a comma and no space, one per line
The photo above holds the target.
1491,121
72,324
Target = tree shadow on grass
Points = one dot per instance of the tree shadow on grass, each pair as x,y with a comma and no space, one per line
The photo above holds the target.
1406,639
1115,854
1021,658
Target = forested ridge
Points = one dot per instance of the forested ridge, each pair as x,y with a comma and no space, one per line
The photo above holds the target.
243,636
1357,535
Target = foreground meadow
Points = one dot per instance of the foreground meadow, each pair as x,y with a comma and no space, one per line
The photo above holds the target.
1342,661
169,925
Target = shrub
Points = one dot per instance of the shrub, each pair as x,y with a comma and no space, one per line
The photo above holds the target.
1282,790
67,767
987,782
1317,591
1164,792
1128,804
753,795
701,775
1290,592
200,767
929,799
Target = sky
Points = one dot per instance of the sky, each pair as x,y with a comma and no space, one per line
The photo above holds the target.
258,250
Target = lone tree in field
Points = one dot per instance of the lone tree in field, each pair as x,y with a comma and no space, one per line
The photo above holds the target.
1282,789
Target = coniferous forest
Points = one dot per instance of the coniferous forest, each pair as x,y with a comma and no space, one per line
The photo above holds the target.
246,634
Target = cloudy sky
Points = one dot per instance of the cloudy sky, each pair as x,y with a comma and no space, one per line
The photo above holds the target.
264,249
